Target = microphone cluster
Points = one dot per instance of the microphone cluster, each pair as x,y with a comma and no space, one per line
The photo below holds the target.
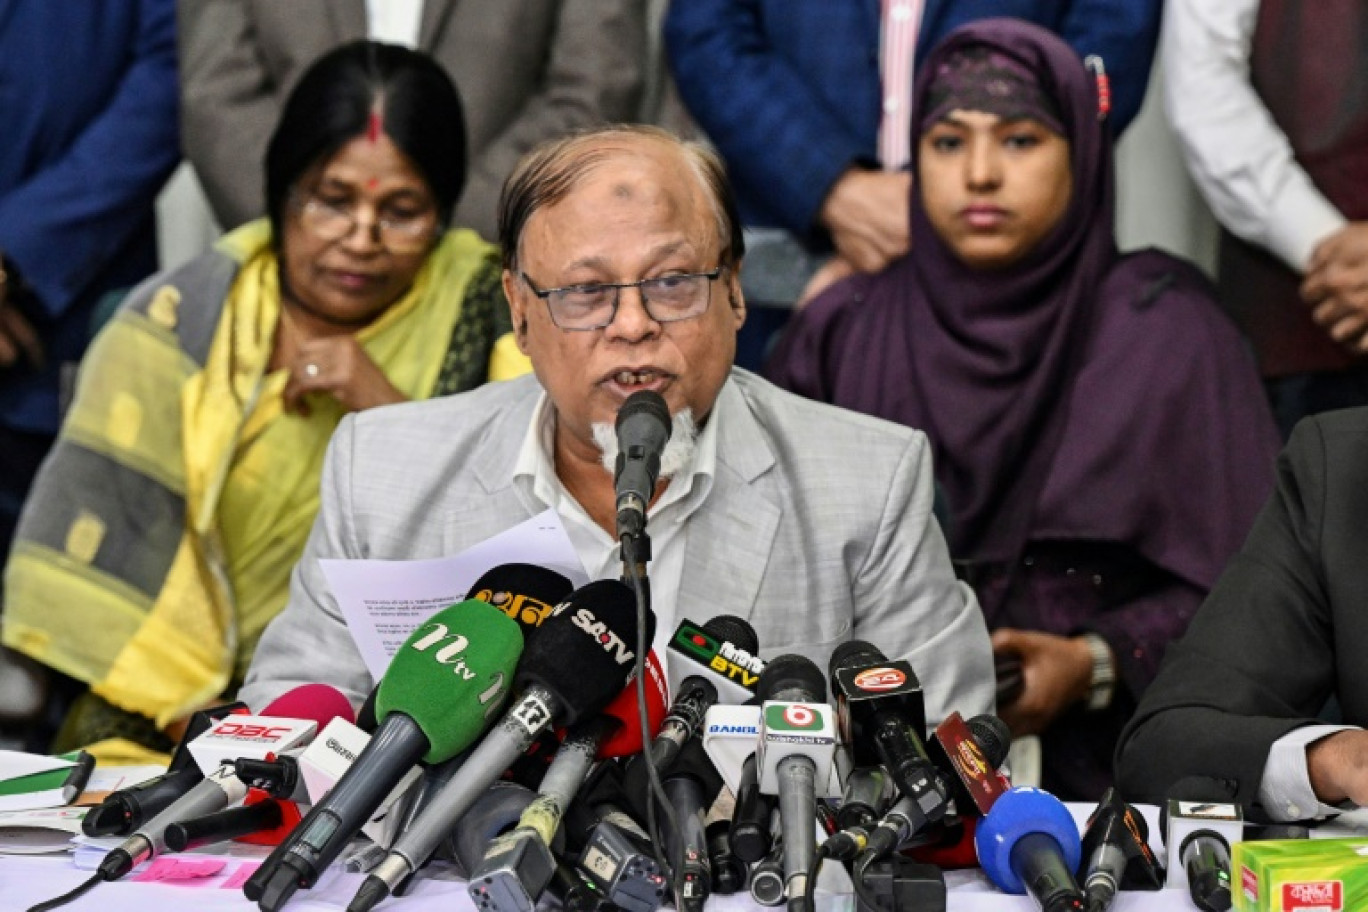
525,736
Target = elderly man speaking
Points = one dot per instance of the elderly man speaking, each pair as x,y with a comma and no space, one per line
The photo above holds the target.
621,253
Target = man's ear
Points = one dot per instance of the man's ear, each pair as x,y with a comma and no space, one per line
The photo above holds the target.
736,298
517,309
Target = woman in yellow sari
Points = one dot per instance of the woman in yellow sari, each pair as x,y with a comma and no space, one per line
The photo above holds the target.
161,531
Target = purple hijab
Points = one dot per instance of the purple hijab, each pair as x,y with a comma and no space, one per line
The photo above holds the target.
1075,395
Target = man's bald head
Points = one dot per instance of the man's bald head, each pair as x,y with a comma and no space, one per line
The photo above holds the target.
549,172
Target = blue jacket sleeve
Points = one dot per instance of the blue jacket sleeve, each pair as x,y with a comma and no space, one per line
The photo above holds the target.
64,224
783,144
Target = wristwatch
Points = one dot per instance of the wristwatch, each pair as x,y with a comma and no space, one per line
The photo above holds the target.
1103,683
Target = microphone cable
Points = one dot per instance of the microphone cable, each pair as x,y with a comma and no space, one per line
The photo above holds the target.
674,873
65,898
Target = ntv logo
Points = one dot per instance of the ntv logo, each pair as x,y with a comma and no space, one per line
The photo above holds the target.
450,654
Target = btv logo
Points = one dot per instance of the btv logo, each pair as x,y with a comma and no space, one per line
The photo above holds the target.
793,717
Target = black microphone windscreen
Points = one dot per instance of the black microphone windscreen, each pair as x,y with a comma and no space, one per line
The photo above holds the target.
731,629
992,736
853,653
791,672
524,592
647,402
585,650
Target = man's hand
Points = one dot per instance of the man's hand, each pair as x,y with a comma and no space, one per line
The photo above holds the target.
1056,673
866,213
1336,286
1338,767
340,367
17,336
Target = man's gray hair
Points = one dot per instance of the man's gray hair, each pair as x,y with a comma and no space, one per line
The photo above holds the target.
549,172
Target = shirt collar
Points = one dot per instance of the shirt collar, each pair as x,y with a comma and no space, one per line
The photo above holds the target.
534,473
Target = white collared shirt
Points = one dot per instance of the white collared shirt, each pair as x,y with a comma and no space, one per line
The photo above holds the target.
394,21
535,480
1239,158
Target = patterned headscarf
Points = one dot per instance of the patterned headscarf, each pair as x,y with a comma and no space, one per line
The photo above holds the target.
979,78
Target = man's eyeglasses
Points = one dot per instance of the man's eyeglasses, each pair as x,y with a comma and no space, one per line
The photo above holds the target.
667,299
329,221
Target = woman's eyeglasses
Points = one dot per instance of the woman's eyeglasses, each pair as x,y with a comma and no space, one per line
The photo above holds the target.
330,221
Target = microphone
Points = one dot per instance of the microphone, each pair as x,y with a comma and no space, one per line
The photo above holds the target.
767,878
865,797
124,810
626,739
518,866
524,592
221,787
643,428
723,651
752,817
1028,843
1201,823
224,825
615,854
729,873
433,702
493,814
968,755
575,665
797,744
691,785
1116,852
880,708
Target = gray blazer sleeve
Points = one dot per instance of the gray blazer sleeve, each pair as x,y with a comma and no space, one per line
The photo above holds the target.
309,642
909,604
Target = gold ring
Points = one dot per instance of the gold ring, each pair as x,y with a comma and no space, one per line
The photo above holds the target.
311,370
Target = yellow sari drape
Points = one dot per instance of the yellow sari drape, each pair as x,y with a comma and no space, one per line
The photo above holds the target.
212,435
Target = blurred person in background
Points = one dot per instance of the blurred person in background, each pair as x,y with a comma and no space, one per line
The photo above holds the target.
1269,100
88,106
162,529
1100,436
813,119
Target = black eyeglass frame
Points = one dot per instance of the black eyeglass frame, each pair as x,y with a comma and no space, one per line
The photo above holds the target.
641,285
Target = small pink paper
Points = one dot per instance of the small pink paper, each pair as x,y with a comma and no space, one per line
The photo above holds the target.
239,877
166,868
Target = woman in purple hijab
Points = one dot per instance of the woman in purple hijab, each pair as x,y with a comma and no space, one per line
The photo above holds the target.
1100,435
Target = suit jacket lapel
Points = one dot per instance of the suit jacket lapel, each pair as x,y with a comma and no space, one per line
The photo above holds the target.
495,505
435,13
731,536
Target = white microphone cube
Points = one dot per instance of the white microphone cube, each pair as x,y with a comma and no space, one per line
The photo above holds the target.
795,730
1188,817
250,737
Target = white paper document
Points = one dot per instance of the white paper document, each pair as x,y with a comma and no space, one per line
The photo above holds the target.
383,601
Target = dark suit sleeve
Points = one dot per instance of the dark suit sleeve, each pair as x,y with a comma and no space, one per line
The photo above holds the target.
779,138
87,203
1124,34
1257,661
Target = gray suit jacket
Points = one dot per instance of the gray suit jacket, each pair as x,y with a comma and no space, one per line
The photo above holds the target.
527,70
818,529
